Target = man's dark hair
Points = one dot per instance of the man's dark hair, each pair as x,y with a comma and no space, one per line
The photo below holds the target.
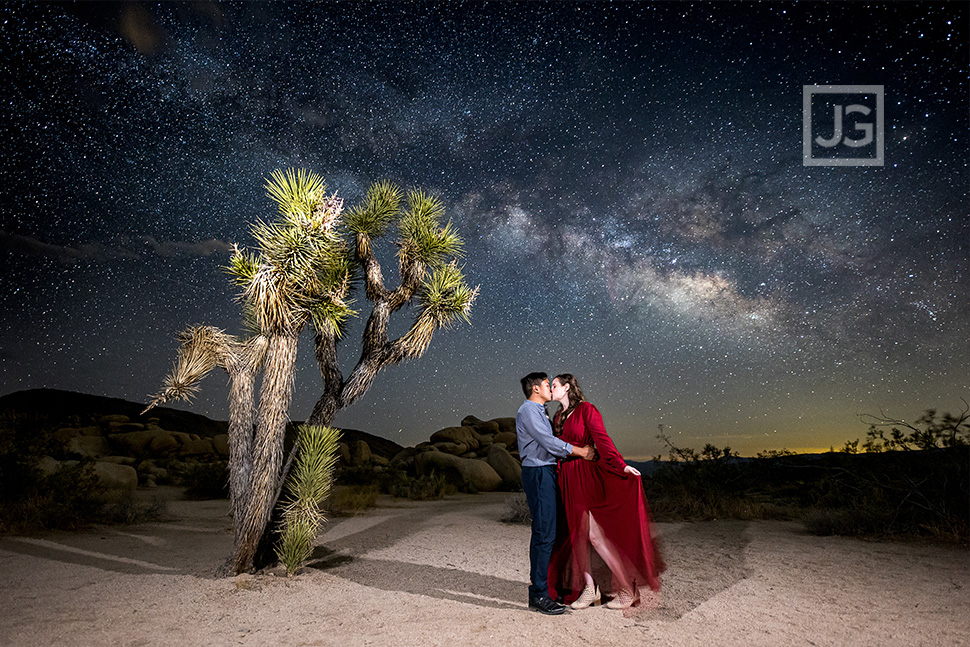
531,380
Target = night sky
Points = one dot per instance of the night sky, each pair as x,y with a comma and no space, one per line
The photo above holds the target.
628,179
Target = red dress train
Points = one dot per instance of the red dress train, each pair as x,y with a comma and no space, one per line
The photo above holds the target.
615,500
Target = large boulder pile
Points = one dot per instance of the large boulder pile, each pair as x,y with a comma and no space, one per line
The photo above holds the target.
126,453
478,455
175,447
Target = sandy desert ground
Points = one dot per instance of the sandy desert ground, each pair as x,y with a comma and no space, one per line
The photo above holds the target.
450,573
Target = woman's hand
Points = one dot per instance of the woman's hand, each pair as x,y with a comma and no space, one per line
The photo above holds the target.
629,469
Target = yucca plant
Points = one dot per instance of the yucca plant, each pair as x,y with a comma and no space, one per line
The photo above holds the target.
307,262
307,488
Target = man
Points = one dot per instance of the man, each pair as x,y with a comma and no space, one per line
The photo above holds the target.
538,450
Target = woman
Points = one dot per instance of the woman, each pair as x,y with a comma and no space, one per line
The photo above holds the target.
603,506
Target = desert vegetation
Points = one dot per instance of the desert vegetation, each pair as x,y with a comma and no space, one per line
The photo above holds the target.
909,479
38,492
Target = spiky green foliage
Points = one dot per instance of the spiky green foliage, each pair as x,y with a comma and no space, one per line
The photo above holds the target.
445,296
307,489
297,192
423,239
377,212
202,348
302,270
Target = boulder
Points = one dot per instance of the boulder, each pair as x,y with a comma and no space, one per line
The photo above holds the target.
509,439
489,428
471,421
458,435
344,453
109,419
470,473
452,448
221,443
133,442
404,459
480,475
116,478
427,462
149,469
66,434
505,424
90,431
182,437
48,465
361,452
163,443
505,466
198,447
119,460
124,427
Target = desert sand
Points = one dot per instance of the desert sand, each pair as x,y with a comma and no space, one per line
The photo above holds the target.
450,573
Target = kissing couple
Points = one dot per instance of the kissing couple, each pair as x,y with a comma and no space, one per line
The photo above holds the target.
584,498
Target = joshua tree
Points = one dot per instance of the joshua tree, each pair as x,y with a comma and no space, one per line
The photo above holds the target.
304,272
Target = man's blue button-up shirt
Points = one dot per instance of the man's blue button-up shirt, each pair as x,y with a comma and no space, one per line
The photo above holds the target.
537,445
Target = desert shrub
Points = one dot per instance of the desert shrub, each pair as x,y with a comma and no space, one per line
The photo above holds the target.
417,488
517,510
31,500
931,430
350,500
712,484
202,480
127,510
893,493
399,483
356,475
850,522
66,499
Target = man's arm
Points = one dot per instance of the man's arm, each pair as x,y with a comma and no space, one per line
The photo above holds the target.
542,433
538,427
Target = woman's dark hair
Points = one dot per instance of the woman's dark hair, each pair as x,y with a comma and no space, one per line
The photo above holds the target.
575,398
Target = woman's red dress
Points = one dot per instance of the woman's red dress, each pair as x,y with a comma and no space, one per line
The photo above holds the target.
615,500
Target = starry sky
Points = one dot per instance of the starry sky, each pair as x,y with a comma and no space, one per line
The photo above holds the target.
628,179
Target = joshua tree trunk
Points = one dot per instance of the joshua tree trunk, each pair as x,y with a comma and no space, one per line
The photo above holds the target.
241,414
274,399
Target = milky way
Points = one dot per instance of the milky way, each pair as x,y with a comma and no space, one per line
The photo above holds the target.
628,179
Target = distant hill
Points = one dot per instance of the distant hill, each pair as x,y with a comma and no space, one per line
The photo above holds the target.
59,405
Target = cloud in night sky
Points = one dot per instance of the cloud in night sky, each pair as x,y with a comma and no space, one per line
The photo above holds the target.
627,177
123,248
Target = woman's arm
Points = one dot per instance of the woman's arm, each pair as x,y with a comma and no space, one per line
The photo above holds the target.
610,459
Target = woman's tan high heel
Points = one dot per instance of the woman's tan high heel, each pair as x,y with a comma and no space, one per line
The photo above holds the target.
589,597
623,600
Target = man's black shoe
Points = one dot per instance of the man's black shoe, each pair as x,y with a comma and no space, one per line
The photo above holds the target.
547,606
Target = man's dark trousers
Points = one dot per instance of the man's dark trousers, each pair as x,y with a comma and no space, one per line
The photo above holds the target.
539,484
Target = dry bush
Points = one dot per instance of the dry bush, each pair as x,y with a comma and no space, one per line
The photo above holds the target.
517,510
351,500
